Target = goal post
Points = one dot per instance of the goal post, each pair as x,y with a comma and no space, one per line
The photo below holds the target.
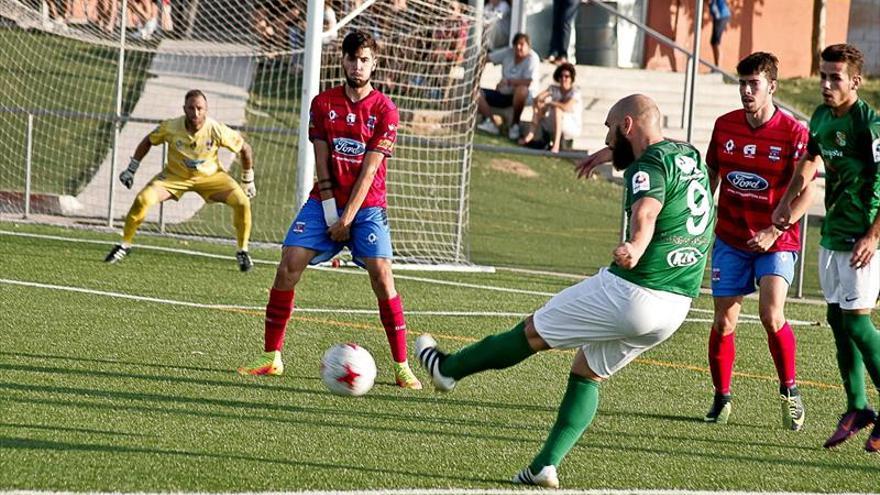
58,108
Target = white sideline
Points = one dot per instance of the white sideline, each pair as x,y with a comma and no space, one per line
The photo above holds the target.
444,491
172,302
751,318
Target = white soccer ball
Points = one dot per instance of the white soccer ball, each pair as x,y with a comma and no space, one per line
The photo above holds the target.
348,369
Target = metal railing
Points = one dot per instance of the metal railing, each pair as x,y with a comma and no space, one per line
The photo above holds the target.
31,116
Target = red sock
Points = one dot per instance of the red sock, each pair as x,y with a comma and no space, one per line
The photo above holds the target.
783,348
722,352
278,312
391,314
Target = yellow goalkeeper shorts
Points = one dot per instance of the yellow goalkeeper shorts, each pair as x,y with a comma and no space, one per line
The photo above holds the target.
206,186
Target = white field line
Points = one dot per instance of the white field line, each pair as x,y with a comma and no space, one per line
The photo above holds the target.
356,272
443,491
349,311
363,273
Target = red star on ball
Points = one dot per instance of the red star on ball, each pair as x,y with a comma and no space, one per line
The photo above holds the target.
349,377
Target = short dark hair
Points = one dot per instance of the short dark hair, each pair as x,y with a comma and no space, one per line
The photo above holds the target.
844,52
757,63
564,67
356,40
521,36
193,93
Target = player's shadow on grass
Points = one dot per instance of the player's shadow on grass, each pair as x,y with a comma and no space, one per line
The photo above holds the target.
246,410
681,419
113,362
664,417
49,445
722,457
708,439
67,429
262,383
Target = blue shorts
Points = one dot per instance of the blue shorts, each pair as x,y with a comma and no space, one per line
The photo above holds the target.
370,236
736,272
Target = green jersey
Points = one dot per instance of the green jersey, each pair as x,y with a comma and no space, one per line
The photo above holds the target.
674,174
850,147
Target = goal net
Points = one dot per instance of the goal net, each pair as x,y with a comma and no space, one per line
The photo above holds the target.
60,127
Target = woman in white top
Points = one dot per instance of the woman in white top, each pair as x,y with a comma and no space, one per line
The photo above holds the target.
557,110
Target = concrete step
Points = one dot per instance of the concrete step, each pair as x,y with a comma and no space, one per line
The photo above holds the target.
601,87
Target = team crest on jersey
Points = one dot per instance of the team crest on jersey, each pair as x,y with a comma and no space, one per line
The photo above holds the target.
729,146
386,143
350,118
371,121
750,150
775,153
299,227
686,164
685,256
840,138
193,164
209,144
875,149
350,147
332,115
641,181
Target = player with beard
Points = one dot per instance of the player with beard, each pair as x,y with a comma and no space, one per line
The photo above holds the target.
751,157
353,129
625,309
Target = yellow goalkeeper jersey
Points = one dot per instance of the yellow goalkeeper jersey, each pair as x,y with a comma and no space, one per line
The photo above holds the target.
191,155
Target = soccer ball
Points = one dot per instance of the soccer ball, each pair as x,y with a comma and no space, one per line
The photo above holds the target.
348,369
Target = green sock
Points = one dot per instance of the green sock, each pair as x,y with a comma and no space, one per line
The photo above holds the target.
849,361
494,352
864,334
576,412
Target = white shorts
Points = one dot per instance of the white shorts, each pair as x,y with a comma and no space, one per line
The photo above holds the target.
610,319
571,128
849,287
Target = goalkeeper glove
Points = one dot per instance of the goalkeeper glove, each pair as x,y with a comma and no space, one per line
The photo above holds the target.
331,216
127,175
247,182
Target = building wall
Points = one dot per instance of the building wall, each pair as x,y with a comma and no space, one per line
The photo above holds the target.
781,27
864,32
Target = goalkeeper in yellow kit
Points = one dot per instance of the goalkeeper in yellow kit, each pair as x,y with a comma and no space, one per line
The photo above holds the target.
194,140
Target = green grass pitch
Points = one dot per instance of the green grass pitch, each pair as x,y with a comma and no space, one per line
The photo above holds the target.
103,390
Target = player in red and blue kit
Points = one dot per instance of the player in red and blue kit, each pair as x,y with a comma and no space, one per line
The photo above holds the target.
752,156
353,129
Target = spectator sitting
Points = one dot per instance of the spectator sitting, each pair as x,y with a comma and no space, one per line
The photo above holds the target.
147,14
329,25
519,64
451,36
497,13
557,111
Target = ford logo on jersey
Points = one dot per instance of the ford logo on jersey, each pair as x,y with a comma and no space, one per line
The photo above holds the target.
747,181
349,147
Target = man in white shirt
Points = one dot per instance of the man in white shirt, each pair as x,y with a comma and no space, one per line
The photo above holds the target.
518,85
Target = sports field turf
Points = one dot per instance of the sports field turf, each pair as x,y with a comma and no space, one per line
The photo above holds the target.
120,378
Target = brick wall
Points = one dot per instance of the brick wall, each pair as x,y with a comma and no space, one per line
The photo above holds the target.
864,32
